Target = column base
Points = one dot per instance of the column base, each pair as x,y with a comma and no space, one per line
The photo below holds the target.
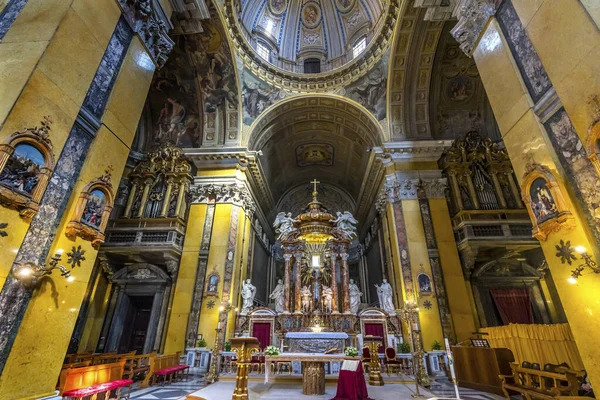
297,312
286,313
335,313
348,313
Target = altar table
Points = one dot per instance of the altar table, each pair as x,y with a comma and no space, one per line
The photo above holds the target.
315,342
314,367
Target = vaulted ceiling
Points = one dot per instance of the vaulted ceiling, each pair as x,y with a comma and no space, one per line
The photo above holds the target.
317,137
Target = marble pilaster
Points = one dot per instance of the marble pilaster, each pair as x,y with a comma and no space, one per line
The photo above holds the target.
334,287
194,317
345,283
298,283
229,264
287,283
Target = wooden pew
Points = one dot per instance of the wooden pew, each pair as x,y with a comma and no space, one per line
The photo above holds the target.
139,364
533,383
63,372
95,379
168,368
109,358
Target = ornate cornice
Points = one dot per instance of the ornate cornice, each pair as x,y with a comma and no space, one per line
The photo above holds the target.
411,189
147,19
472,16
323,82
210,193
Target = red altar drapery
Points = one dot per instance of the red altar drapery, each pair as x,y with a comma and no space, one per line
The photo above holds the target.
262,331
514,305
352,385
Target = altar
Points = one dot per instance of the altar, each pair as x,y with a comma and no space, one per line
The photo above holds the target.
316,342
313,369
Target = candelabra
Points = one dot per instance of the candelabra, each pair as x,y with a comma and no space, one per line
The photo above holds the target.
213,373
587,263
410,315
29,273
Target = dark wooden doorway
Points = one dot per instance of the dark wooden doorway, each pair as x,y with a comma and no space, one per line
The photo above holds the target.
136,323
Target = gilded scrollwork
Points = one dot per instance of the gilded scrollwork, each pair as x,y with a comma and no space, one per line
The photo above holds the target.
224,193
26,164
92,210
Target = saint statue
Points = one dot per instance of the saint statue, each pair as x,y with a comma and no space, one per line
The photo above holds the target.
278,295
355,295
248,293
386,295
306,299
284,225
327,295
345,223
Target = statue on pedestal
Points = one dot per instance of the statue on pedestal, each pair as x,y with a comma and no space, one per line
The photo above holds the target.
355,295
327,295
248,293
306,299
278,295
386,295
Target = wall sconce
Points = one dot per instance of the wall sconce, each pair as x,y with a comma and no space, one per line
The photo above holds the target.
587,263
226,307
29,273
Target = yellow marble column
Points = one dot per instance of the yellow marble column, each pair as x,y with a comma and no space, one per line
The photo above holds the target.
526,140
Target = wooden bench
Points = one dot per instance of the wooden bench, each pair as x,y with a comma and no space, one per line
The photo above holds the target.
63,372
137,365
109,358
533,383
96,379
167,368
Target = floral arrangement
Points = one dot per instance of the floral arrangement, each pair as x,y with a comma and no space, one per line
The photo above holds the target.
351,351
272,351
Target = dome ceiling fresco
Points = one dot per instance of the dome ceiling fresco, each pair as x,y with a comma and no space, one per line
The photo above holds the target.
295,30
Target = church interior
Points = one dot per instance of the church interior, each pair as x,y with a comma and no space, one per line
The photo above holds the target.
299,199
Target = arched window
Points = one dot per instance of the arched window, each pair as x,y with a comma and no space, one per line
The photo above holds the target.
312,66
263,51
26,164
359,46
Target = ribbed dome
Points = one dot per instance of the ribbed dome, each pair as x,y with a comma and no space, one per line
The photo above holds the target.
323,32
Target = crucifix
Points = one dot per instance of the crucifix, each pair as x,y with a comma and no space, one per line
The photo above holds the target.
314,182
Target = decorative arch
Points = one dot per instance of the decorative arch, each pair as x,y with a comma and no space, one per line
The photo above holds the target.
93,210
261,129
544,201
141,273
26,164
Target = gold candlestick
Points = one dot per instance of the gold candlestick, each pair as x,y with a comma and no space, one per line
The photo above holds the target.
213,373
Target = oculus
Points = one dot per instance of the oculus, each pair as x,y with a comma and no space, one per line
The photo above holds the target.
26,164
545,203
92,210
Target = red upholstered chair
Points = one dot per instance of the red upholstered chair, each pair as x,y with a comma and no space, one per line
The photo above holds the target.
366,358
391,362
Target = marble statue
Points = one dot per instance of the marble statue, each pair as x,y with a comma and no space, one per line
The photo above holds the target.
248,293
278,295
327,295
355,295
306,299
386,295
345,223
284,224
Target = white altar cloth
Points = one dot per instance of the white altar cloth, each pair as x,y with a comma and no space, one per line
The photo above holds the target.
316,335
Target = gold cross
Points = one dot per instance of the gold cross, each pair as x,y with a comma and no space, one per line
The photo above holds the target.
314,182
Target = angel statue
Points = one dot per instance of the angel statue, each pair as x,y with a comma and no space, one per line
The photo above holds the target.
306,299
284,224
327,295
345,223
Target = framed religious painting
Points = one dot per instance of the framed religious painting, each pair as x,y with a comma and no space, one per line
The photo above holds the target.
545,202
92,210
424,282
26,164
212,284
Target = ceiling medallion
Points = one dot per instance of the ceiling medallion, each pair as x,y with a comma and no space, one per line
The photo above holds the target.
311,14
277,7
314,154
321,82
344,5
